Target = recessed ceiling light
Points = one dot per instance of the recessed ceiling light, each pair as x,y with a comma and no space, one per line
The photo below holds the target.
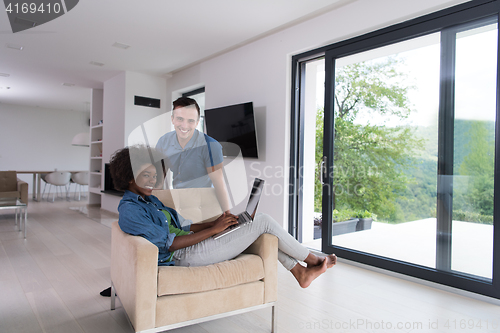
121,45
4,74
15,47
95,63
68,84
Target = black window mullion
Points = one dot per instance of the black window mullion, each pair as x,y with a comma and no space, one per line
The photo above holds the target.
496,196
294,149
444,207
328,151
300,171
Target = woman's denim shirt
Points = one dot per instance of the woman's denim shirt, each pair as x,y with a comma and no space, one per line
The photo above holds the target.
143,217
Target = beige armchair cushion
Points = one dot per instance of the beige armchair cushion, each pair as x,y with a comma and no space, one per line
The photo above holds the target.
266,247
134,270
184,280
178,308
195,204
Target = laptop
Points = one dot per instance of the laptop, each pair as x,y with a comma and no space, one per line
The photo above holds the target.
247,216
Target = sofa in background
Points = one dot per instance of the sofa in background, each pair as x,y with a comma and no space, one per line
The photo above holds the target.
13,187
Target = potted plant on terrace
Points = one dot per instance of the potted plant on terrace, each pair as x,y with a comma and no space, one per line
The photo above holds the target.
343,222
365,220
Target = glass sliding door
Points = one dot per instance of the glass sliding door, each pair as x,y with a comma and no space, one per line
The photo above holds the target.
397,168
311,99
385,151
474,150
312,146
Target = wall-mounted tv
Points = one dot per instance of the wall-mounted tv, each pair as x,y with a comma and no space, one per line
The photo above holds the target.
233,124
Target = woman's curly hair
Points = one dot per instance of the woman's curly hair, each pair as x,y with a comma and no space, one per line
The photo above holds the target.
125,161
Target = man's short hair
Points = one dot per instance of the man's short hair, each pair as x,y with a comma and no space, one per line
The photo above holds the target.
183,102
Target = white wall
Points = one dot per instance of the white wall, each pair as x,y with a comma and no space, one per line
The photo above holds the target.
147,86
113,134
260,72
121,116
40,139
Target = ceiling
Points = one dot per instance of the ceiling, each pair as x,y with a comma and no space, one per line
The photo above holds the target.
163,35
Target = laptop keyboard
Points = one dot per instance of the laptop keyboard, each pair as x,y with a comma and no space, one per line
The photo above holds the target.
242,218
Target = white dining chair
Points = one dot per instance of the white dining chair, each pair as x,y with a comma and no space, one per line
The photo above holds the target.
80,179
58,179
42,177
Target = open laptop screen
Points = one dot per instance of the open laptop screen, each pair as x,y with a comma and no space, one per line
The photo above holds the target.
257,187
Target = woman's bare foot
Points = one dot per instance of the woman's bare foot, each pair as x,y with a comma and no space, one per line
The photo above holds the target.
331,260
314,260
306,275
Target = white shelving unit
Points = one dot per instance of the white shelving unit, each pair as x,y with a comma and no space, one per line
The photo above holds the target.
96,178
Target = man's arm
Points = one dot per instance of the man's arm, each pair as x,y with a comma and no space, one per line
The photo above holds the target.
217,177
161,147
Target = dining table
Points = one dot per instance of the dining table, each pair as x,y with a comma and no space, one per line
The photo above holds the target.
37,176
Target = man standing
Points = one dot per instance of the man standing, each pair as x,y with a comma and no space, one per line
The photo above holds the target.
194,158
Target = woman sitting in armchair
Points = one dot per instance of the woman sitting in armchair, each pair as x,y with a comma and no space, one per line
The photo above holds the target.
184,244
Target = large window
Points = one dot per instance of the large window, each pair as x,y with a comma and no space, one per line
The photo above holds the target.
404,148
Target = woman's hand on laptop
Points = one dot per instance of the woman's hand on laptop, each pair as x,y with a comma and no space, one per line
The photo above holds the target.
224,221
202,231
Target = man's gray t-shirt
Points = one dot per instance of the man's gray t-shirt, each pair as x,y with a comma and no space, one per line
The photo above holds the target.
189,164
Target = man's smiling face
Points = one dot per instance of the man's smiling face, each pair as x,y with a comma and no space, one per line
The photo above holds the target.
185,121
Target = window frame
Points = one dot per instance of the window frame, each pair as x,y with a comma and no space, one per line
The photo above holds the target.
448,20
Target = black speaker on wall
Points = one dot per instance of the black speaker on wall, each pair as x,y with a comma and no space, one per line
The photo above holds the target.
147,101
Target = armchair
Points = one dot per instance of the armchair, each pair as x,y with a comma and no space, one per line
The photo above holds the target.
13,187
167,297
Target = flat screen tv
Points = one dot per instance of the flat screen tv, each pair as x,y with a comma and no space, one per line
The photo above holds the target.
233,124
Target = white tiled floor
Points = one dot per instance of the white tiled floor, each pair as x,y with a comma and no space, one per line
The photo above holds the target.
50,283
